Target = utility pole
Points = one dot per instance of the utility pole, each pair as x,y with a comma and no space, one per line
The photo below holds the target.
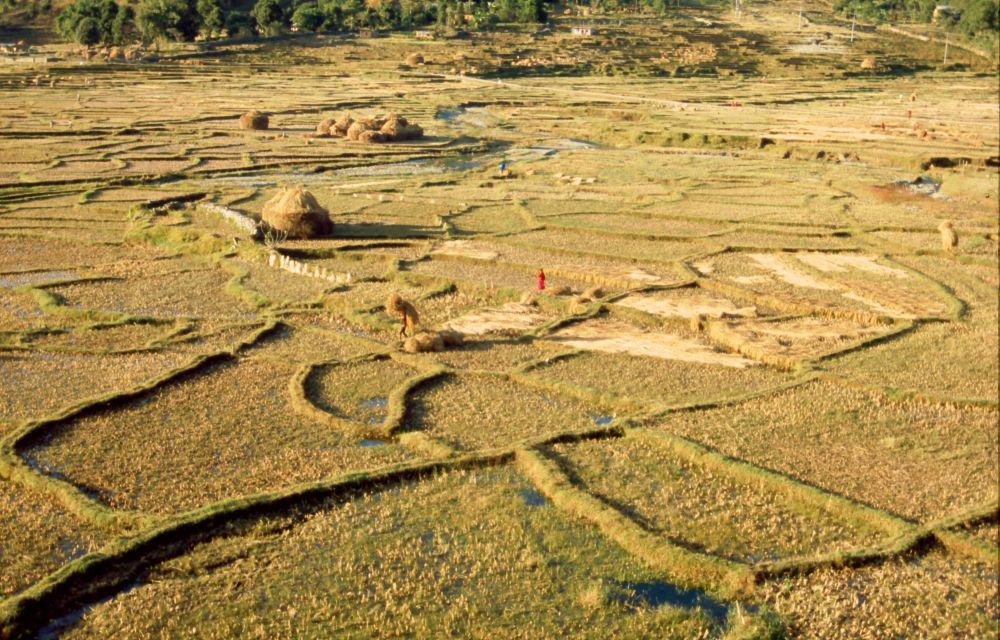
947,40
854,19
800,16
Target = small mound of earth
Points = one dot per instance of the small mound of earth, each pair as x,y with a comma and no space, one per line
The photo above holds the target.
841,263
511,317
686,304
618,337
797,338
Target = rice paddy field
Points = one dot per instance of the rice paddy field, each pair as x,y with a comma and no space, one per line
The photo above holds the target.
756,399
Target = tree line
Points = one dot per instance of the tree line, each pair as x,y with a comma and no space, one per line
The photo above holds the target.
974,18
90,22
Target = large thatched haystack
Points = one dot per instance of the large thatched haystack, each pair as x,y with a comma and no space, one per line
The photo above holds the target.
415,58
295,211
254,120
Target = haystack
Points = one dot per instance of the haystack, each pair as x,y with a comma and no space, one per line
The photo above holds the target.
342,124
396,128
325,127
369,136
869,64
423,342
391,129
451,338
254,120
296,212
415,58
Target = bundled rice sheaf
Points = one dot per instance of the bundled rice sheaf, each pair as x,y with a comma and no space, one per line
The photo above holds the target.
393,128
296,212
423,343
325,127
254,120
869,64
342,124
415,58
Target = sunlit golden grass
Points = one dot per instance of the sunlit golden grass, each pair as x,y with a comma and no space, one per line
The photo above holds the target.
419,560
704,507
28,387
632,173
483,411
213,451
914,459
38,537
893,599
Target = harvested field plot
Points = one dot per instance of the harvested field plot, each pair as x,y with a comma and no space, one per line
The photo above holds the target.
933,460
457,408
673,320
645,380
410,554
212,452
611,336
705,507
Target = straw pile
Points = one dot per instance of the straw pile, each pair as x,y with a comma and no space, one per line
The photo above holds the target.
295,211
428,341
254,120
325,127
868,64
415,59
393,128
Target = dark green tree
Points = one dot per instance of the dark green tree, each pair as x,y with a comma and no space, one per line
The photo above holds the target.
172,19
269,16
87,32
308,17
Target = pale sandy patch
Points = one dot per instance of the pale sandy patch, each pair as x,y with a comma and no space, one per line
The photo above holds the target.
618,337
800,337
689,305
841,263
788,273
511,317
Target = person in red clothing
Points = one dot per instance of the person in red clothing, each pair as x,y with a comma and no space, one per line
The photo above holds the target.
541,280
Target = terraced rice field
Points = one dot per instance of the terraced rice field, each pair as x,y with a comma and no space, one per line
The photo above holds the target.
755,398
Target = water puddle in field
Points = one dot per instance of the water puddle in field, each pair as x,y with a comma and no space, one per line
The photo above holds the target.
21,279
371,410
372,443
601,419
408,168
657,593
532,498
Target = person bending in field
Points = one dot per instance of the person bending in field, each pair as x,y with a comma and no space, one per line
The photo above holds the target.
406,311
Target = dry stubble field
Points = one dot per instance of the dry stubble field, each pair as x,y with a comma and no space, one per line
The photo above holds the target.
778,416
